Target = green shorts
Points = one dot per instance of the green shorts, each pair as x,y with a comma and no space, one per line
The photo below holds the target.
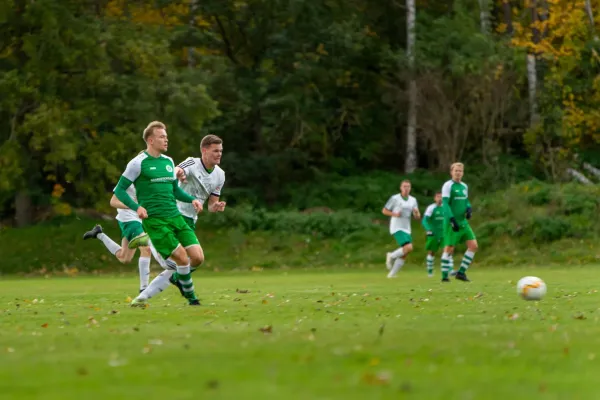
402,238
433,243
167,234
130,229
190,222
452,238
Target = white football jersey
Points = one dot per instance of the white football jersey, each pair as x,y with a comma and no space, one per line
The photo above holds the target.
200,183
397,204
128,215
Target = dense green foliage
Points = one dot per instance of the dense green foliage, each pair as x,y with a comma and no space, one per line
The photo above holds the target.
302,92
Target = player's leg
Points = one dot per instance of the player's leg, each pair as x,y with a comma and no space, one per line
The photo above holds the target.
450,239
121,252
144,267
174,278
400,238
404,240
193,253
159,283
471,242
431,245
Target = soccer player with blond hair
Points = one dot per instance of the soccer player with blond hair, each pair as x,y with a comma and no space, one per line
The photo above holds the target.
457,212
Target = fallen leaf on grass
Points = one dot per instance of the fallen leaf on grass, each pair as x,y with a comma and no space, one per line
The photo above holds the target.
580,316
566,351
513,317
242,291
380,378
264,301
212,384
82,371
266,329
478,295
128,299
45,325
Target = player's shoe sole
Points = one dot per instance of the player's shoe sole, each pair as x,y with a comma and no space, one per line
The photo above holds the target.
93,234
139,241
389,261
194,302
462,277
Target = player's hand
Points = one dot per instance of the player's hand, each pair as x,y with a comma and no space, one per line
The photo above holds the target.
142,213
454,224
180,174
429,233
219,206
469,213
197,205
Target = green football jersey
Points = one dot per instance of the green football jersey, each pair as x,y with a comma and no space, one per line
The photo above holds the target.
154,178
433,219
455,197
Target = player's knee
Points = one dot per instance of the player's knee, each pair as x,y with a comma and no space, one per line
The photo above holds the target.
473,246
145,251
408,248
196,259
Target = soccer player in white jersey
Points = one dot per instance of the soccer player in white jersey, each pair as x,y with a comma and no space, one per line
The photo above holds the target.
400,208
204,179
132,235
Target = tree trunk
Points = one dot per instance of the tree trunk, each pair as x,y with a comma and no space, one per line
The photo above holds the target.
191,60
484,16
507,11
23,208
411,132
590,15
532,68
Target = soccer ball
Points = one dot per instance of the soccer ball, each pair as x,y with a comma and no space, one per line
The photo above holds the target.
531,288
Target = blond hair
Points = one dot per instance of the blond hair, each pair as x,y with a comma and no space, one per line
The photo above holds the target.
457,164
152,126
209,140
405,181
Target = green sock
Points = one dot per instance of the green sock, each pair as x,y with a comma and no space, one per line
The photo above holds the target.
430,260
466,261
446,265
184,276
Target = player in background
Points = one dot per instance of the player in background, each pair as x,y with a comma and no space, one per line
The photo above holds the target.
204,179
132,236
153,175
433,222
401,208
457,212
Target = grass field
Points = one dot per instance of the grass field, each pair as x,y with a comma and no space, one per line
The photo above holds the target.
303,335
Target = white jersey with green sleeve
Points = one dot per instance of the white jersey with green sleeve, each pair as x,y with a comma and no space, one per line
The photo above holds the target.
128,215
200,183
405,207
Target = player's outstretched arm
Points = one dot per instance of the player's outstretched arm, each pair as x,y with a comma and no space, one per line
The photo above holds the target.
214,205
116,203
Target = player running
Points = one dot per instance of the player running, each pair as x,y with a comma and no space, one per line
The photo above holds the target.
153,175
132,237
457,212
433,222
400,207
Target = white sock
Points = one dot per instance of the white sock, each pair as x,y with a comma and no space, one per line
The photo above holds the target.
397,265
109,243
399,252
144,266
158,284
171,264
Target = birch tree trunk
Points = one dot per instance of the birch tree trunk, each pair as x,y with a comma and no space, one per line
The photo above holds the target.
411,131
532,68
484,16
507,11
590,15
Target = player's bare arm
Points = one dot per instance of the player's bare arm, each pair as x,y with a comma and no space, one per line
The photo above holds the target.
390,213
416,213
214,205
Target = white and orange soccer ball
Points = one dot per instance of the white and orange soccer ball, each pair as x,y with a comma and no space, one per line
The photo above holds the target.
531,288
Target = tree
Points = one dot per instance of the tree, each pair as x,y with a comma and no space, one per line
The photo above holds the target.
411,130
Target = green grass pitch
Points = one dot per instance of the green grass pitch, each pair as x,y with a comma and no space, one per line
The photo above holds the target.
326,334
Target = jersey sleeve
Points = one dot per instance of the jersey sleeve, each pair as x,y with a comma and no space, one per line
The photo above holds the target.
390,204
133,169
415,204
187,164
429,210
447,189
217,191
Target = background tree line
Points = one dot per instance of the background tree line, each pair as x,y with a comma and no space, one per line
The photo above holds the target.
302,91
